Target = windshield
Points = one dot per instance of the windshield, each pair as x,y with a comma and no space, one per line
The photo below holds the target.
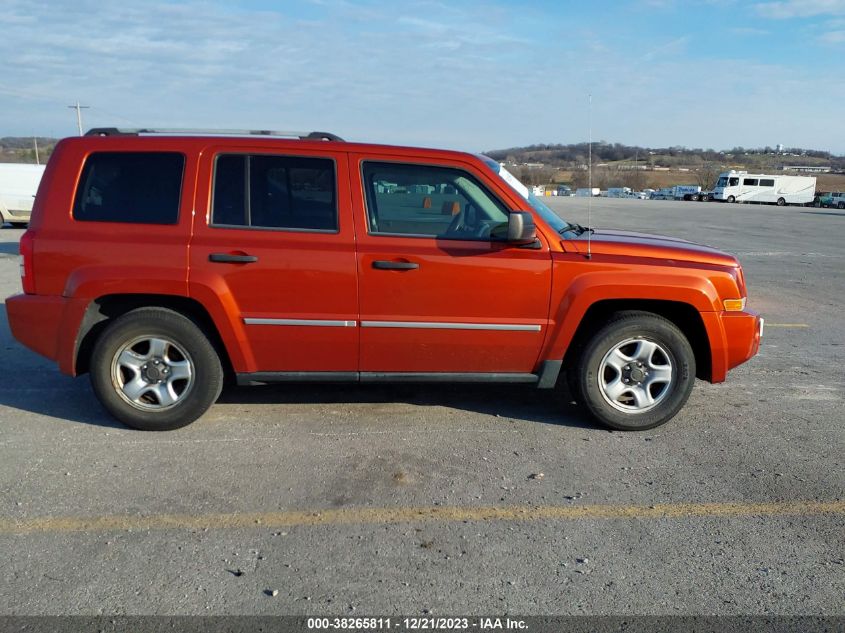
550,217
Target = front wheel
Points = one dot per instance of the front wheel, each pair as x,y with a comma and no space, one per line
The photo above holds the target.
154,369
636,372
781,202
731,199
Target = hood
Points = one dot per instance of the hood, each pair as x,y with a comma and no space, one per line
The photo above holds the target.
632,244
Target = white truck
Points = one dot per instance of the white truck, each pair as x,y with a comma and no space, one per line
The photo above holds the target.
586,192
686,192
620,192
18,185
740,186
678,192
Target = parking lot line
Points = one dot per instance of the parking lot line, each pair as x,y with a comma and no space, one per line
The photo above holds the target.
370,516
786,324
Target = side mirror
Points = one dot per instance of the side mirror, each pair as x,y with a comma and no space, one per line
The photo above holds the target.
521,229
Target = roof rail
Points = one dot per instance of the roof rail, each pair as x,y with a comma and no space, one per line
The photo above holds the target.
114,131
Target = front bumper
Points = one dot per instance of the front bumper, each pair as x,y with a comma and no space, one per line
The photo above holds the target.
734,338
743,333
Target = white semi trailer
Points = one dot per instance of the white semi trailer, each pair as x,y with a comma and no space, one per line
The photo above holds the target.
740,186
18,185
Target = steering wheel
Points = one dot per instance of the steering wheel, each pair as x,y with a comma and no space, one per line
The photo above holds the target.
458,229
457,225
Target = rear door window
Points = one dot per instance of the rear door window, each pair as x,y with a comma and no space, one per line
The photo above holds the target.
139,187
274,192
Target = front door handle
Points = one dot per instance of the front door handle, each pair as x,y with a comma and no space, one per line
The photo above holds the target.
381,264
228,258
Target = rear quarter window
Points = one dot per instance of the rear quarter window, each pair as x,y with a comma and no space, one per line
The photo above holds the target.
136,187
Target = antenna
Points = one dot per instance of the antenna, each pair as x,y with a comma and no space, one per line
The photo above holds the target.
590,175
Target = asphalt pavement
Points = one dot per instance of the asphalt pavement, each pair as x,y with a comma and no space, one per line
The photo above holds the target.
356,500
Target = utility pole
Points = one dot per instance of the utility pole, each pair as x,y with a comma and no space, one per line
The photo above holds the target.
636,168
79,109
35,140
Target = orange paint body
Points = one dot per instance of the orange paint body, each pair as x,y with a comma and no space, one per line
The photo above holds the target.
462,290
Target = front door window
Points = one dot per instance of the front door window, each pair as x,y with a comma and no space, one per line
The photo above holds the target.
429,201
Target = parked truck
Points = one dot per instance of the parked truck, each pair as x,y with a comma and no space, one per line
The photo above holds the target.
686,192
586,192
18,185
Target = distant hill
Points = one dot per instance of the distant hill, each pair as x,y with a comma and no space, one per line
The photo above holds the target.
21,149
615,164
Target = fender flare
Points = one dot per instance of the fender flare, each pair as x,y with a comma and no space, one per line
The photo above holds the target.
591,288
86,286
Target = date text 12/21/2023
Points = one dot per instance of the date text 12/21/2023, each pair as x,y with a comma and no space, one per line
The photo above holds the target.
415,623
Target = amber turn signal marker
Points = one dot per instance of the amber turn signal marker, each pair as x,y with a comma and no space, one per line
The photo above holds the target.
734,305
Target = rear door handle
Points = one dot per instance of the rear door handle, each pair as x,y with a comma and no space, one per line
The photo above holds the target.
381,264
228,258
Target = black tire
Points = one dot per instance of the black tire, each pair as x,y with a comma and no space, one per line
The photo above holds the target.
731,199
841,205
695,197
781,202
206,377
622,327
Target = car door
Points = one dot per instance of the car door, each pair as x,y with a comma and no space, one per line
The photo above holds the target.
440,291
273,241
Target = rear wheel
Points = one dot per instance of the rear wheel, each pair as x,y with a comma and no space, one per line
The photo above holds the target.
636,372
841,205
781,202
154,369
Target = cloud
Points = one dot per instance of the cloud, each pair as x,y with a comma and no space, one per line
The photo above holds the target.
749,30
468,75
833,37
787,9
206,64
672,47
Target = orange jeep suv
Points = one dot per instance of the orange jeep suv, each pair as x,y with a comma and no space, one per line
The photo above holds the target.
162,262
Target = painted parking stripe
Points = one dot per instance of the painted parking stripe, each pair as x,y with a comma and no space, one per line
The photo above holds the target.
787,325
434,514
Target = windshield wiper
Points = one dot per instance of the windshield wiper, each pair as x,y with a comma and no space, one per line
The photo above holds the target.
576,228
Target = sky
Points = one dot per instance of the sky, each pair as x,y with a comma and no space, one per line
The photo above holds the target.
461,74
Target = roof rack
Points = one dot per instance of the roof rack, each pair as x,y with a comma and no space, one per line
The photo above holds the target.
305,136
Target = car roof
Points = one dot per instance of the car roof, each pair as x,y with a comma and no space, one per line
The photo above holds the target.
116,139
